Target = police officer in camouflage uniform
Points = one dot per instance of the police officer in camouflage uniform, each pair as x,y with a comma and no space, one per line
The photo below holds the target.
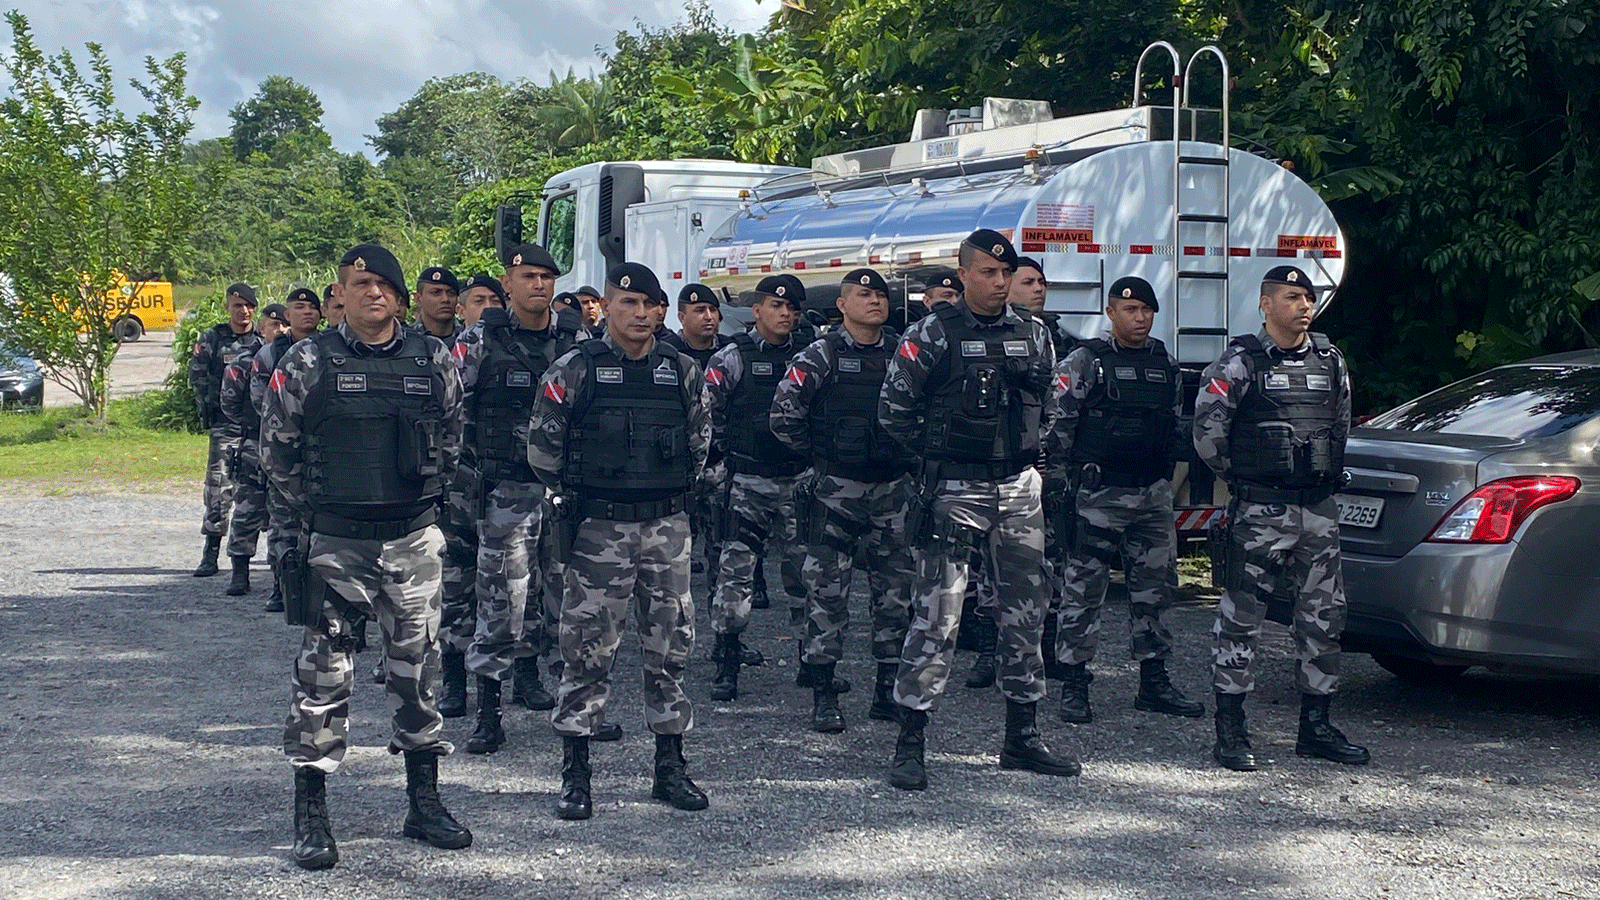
970,390
361,427
826,409
622,431
698,337
458,581
250,484
1271,420
741,381
216,349
438,297
501,360
283,524
1117,433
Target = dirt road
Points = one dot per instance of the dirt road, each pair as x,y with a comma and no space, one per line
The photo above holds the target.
143,712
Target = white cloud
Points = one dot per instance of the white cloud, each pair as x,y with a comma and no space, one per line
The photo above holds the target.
361,59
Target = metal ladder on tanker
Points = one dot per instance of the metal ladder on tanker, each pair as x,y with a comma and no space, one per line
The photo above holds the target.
1200,245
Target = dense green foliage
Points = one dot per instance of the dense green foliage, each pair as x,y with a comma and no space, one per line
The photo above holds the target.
1455,140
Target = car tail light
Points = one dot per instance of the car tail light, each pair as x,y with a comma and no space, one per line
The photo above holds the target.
1493,513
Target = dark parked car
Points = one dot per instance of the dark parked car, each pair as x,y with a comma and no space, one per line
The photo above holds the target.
21,381
1471,524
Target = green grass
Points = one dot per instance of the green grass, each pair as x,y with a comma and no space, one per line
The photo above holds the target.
187,296
63,449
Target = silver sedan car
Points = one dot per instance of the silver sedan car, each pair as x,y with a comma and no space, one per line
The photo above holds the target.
1470,526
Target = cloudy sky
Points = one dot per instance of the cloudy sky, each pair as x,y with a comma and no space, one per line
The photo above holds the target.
362,59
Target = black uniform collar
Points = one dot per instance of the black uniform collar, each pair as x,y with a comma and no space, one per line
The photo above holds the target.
761,343
387,348
1273,350
1008,316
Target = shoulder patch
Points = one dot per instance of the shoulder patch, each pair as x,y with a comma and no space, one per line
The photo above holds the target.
909,350
1218,387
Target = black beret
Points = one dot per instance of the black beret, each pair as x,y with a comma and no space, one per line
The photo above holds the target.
380,262
588,290
485,280
1130,287
945,278
530,255
304,295
277,312
245,292
698,293
636,278
1291,276
1028,262
867,278
997,245
784,287
565,298
327,291
439,275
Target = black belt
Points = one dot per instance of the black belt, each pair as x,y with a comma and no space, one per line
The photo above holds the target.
1255,493
594,508
739,465
880,473
1124,480
361,530
993,470
500,470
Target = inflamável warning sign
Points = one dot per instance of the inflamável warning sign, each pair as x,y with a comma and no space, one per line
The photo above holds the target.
1307,242
1058,235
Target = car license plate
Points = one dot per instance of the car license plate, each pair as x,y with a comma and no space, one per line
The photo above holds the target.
1359,512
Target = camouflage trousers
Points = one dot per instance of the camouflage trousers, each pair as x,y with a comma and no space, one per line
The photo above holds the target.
1007,517
283,527
761,515
706,513
508,562
218,492
397,583
1288,551
850,518
249,502
458,580
1133,526
617,568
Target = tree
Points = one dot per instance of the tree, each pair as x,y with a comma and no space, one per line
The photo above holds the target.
284,115
88,195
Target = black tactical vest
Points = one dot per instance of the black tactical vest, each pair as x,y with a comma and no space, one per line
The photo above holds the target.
244,410
1126,424
1282,432
846,438
229,347
750,443
703,357
630,439
514,359
977,408
373,431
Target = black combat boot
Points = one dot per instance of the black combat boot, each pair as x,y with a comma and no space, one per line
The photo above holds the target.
489,736
607,731
883,708
275,602
802,674
983,664
208,564
1156,693
907,771
575,802
1233,738
452,684
1075,695
1024,749
428,820
725,684
825,714
1319,738
759,599
526,688
313,838
672,776
240,585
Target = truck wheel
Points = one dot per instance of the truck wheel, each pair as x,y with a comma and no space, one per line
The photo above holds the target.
1418,671
127,329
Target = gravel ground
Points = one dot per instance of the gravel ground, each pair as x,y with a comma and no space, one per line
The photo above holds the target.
143,712
139,366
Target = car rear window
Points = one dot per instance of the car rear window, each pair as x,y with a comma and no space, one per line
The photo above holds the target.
1517,402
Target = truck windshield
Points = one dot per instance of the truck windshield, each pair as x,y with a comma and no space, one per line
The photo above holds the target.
561,228
1517,402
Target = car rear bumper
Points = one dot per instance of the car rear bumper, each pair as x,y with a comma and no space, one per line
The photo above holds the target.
1452,603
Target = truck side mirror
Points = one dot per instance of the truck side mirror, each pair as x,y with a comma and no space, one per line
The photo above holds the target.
507,229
